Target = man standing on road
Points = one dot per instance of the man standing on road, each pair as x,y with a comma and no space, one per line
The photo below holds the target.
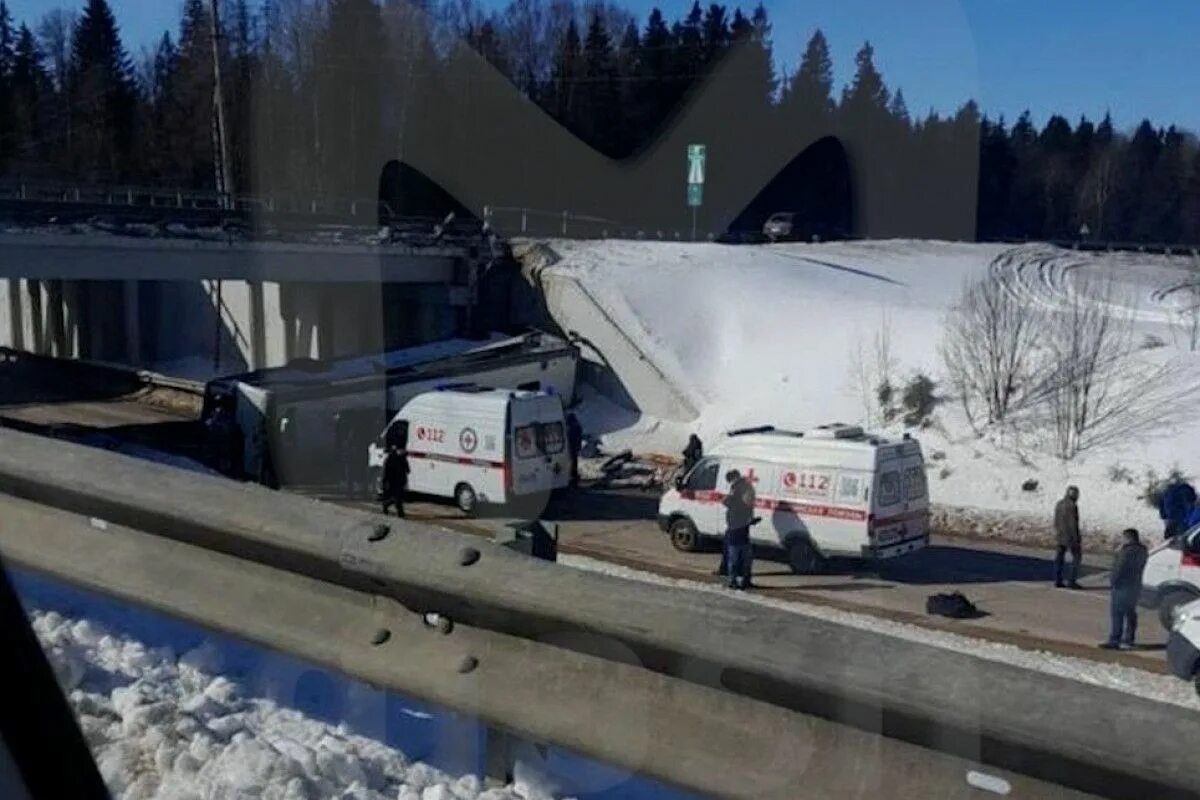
1126,586
395,480
1066,531
739,516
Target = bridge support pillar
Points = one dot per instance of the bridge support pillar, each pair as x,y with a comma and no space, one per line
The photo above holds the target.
56,325
258,326
133,322
16,315
37,316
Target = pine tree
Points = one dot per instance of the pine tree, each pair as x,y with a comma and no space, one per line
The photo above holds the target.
9,135
629,54
102,96
598,98
1190,232
30,98
808,100
1026,212
565,77
715,34
996,168
351,57
865,101
655,95
1057,155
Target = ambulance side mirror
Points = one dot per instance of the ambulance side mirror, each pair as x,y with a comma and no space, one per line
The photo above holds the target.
679,482
1191,543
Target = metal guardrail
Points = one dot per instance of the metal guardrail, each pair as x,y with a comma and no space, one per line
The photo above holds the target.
956,705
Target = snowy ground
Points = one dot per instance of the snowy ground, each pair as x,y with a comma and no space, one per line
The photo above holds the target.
783,334
1150,685
177,713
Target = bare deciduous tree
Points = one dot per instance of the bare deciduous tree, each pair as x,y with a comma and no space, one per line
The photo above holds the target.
990,350
872,367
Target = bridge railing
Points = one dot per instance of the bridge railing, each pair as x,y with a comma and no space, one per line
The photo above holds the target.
700,689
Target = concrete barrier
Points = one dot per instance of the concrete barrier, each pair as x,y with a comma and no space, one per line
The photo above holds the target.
1066,732
600,702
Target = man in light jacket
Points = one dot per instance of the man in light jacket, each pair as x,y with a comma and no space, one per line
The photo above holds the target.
1066,532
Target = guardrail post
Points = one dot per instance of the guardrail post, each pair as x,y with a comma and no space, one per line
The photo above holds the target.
564,225
22,191
312,207
354,208
129,196
76,194
524,220
179,199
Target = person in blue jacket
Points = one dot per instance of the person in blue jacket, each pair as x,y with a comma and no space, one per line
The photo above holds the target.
1178,509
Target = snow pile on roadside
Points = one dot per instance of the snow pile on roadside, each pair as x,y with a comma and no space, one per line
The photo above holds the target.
788,335
164,727
1149,685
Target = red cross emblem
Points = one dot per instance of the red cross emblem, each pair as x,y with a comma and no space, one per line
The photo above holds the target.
750,476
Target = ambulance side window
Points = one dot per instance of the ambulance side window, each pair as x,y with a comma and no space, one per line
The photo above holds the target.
889,488
704,477
552,438
526,442
914,483
849,487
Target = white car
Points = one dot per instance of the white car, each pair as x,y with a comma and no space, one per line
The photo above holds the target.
780,226
1172,576
1183,645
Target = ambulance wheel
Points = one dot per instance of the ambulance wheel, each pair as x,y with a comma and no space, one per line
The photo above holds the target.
684,536
465,499
803,558
1170,601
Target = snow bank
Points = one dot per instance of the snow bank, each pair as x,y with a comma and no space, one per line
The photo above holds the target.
782,334
1150,685
162,726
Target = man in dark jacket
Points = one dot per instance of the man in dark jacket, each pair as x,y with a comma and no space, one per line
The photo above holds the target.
1126,586
1176,507
574,445
692,453
395,480
739,516
1066,531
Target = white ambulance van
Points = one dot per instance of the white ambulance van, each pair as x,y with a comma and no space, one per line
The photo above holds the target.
481,445
832,491
1171,577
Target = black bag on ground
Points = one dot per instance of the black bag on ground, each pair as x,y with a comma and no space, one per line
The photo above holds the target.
955,606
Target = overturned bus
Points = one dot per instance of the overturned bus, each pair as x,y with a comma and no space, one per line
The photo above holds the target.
307,424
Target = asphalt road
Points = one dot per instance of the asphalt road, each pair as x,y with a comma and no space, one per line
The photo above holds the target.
1011,585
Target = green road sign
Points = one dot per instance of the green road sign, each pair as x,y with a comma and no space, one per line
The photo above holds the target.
697,155
695,194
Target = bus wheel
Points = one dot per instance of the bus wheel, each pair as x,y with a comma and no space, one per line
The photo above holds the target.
465,499
804,558
684,536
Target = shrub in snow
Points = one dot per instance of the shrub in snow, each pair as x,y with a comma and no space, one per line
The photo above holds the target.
1118,473
885,396
918,400
1030,485
1155,485
945,473
1152,342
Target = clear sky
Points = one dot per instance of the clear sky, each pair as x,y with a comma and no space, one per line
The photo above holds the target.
1073,56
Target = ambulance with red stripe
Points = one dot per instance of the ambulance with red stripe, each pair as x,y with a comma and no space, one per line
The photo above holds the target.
479,445
834,491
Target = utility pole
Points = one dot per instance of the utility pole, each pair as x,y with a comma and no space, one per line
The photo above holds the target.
225,187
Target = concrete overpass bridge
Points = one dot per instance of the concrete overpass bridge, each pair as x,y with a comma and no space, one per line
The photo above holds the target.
210,300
